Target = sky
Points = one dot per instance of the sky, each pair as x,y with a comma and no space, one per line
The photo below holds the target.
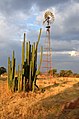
19,16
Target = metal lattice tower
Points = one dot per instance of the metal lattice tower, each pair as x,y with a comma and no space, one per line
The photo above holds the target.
47,50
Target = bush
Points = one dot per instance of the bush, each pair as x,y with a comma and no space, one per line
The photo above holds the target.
66,73
2,70
53,72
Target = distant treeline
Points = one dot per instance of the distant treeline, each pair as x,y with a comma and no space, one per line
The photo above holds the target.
63,73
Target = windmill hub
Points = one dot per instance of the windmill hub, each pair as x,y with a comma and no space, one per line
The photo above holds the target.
48,17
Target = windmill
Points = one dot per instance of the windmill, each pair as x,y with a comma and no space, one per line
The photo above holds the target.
47,54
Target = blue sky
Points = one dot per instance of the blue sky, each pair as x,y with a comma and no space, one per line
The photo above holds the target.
19,16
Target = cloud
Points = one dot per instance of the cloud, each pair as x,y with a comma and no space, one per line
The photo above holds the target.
19,16
12,6
65,26
71,53
46,4
9,7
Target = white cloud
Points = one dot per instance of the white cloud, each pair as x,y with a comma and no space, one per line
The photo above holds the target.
71,53
74,53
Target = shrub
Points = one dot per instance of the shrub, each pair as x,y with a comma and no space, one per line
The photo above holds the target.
2,70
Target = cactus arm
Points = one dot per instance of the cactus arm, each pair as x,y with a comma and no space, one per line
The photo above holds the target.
39,66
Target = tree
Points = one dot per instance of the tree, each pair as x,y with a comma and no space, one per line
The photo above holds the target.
2,70
53,72
62,73
66,73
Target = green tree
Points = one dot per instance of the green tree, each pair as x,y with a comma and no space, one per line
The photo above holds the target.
66,73
2,70
62,73
53,72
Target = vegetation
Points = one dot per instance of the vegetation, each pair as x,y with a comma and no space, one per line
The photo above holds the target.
2,70
63,73
53,72
27,71
66,73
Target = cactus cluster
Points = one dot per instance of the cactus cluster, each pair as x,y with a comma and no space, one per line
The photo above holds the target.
25,80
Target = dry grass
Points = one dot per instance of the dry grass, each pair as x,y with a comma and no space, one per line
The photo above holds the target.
48,104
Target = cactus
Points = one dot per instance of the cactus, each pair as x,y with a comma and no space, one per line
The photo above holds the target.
24,84
11,72
37,71
19,78
27,73
39,66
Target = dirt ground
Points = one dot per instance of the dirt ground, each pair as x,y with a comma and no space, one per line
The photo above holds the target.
57,99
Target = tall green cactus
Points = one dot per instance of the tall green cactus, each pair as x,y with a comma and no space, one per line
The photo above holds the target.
38,70
27,73
11,72
19,79
39,66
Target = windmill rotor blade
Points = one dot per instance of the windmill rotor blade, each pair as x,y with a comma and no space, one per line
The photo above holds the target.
44,20
50,15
